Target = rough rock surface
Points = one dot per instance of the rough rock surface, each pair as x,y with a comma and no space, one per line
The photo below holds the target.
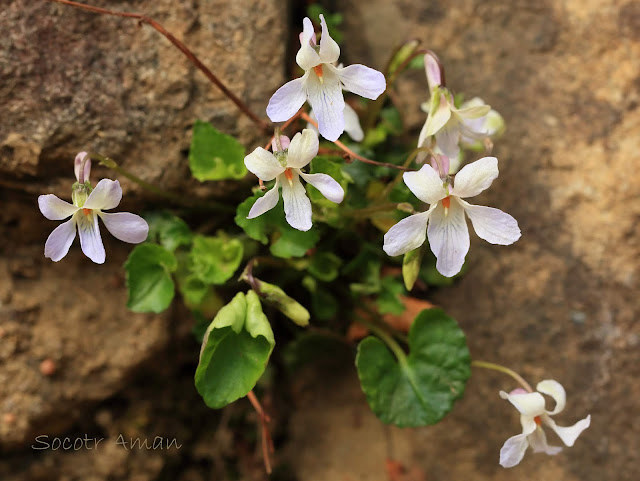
69,81
562,303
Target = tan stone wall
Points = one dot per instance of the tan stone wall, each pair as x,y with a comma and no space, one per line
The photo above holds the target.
560,303
70,81
563,301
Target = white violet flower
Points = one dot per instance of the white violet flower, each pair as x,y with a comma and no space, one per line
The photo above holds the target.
322,83
88,204
351,123
285,167
444,223
532,416
481,128
447,124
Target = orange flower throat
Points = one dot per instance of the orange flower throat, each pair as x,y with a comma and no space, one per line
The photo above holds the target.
318,70
288,174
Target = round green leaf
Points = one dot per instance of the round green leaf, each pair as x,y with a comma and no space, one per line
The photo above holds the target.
214,155
168,230
325,266
148,276
215,259
418,389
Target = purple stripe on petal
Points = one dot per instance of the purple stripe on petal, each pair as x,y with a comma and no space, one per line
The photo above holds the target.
125,226
54,208
90,239
60,240
327,103
106,195
448,238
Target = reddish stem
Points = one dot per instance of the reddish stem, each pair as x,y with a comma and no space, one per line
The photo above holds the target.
351,153
264,125
267,442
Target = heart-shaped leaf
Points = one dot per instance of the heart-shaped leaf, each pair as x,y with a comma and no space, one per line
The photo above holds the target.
420,388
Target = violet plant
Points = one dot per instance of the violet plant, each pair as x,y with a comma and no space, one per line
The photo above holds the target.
326,251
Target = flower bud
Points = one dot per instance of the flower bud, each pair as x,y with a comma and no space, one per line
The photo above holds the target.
287,305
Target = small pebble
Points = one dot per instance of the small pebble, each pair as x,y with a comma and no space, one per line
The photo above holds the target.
578,317
48,367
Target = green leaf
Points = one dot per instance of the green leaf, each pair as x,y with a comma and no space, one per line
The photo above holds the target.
370,279
215,259
411,267
292,242
193,290
235,351
325,266
257,228
214,155
323,304
168,230
286,242
388,301
148,277
391,120
291,308
200,327
375,136
420,388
